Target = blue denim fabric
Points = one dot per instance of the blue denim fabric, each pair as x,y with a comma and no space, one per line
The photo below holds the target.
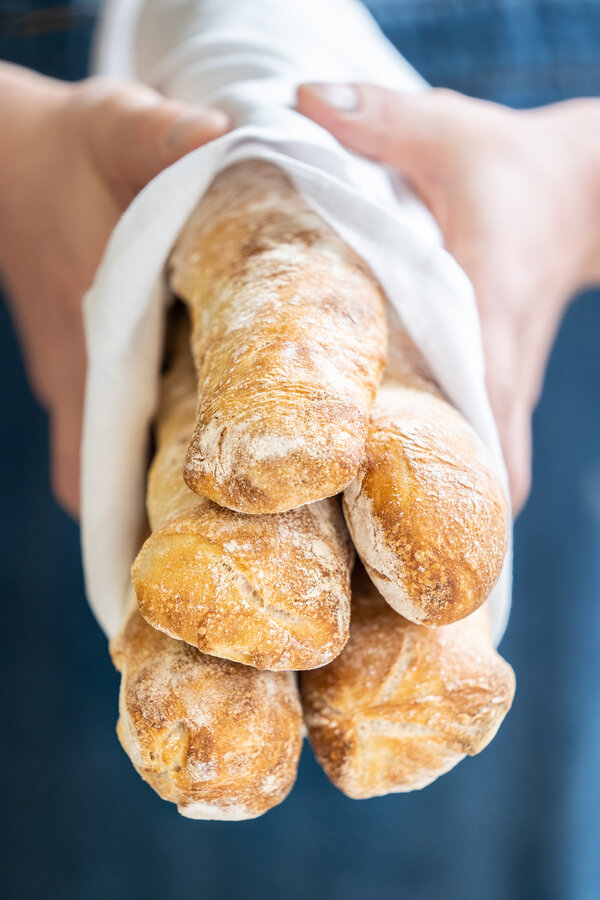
519,821
51,37
519,52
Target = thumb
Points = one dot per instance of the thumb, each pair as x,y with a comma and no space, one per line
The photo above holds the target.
162,134
134,133
420,134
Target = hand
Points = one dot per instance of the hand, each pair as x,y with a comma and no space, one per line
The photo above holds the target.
72,157
516,195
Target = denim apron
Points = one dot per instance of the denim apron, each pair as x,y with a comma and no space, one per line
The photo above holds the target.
522,820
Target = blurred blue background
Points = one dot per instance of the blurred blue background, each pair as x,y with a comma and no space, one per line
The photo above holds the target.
520,821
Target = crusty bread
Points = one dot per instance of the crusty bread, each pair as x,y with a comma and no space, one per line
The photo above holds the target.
427,513
403,703
220,740
288,340
269,591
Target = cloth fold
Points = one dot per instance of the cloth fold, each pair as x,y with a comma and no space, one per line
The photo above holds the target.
248,58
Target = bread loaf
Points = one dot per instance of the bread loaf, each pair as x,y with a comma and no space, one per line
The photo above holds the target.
269,591
288,341
403,703
427,513
220,740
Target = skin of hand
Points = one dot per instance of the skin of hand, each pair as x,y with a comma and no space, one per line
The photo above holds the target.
517,197
72,157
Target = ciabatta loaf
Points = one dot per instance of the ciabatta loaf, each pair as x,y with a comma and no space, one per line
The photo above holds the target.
427,512
269,591
289,341
403,703
220,740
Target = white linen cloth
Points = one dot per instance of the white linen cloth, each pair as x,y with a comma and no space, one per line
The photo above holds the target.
247,57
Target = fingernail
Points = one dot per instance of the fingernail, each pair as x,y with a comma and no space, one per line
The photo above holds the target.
194,128
343,97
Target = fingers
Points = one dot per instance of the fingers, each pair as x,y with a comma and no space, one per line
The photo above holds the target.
412,132
110,139
469,160
134,133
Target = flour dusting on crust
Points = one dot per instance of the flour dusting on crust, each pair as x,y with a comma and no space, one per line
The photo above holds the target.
289,343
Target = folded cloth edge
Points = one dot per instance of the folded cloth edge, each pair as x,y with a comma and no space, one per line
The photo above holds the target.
124,338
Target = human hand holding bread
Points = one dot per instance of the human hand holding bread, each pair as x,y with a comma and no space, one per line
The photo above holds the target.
288,340
515,194
72,157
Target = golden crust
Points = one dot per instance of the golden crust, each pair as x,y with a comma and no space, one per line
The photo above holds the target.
403,703
289,341
220,740
427,513
269,591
